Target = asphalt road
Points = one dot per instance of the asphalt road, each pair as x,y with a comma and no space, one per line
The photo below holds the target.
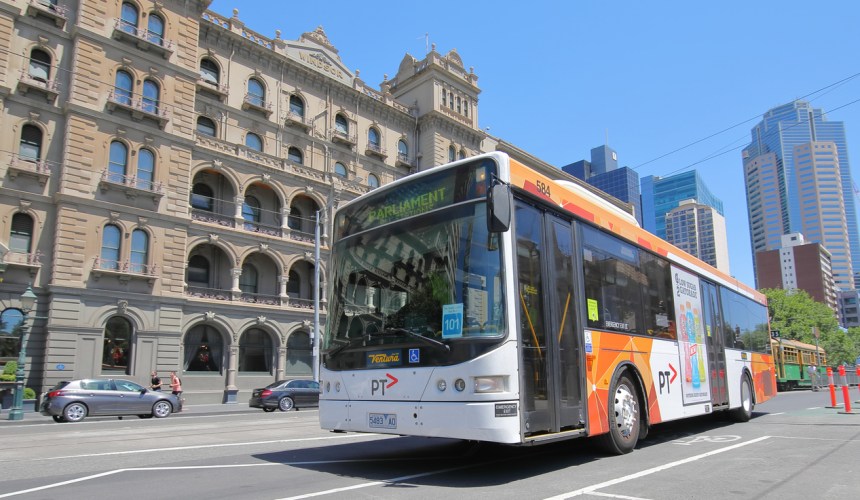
792,448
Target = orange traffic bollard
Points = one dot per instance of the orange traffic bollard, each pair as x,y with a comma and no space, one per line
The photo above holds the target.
832,389
857,371
845,396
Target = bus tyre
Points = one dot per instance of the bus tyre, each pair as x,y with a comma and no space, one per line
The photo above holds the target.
624,423
744,413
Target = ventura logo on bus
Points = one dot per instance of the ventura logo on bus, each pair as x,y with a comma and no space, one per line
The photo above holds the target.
408,207
384,358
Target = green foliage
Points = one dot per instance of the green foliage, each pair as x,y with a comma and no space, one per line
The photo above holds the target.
10,368
794,314
29,393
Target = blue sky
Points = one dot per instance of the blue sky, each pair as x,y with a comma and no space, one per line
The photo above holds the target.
557,77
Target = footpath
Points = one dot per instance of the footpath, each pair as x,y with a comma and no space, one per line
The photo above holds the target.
34,417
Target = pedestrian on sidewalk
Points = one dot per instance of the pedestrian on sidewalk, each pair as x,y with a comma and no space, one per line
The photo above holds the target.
155,383
813,376
175,385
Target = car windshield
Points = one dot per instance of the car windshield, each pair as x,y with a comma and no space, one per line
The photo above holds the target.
431,281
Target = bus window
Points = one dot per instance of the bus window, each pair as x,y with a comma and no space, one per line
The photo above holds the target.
613,282
659,299
745,322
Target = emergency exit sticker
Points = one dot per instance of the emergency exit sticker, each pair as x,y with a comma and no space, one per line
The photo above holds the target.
593,310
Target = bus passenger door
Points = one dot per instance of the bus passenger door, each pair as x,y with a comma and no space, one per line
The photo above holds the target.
549,375
714,343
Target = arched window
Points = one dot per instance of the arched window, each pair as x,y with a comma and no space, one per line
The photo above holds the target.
251,209
128,18
209,71
340,170
204,350
205,126
402,150
40,65
202,197
462,154
256,351
372,181
451,100
10,341
466,107
139,251
444,98
373,137
299,354
123,87
295,155
21,233
297,106
253,141
118,162
248,279
155,29
151,92
256,93
30,147
294,285
341,125
197,272
459,109
294,221
145,168
109,256
452,153
116,351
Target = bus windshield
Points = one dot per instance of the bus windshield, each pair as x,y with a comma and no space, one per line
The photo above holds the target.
430,282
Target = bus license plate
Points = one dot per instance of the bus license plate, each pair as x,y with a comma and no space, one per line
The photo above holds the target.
382,420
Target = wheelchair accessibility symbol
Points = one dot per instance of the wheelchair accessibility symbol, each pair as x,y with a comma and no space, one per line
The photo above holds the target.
414,356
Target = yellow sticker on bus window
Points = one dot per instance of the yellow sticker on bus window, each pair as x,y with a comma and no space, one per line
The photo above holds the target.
593,311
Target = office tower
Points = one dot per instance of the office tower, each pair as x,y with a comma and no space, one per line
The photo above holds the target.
701,231
797,265
774,195
662,194
603,173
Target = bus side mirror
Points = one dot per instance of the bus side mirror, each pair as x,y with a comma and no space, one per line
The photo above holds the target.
499,208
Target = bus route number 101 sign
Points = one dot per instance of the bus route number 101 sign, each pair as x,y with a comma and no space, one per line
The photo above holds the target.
452,321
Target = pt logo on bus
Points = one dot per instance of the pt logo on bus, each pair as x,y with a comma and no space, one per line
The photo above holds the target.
382,384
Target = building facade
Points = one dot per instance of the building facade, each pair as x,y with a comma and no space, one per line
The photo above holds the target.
662,194
797,265
791,136
603,173
700,231
162,171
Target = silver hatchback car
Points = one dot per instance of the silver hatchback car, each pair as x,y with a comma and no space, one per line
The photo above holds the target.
74,400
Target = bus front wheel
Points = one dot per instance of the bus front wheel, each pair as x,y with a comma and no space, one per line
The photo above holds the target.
624,417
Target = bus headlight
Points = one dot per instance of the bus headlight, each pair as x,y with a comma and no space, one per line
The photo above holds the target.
337,386
460,385
328,387
494,383
441,385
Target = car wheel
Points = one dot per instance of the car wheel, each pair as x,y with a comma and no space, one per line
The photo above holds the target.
268,410
75,412
58,419
286,403
161,409
624,424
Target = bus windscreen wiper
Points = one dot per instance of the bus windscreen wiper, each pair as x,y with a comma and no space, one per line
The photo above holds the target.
417,336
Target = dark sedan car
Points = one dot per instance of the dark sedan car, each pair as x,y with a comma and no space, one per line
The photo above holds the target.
74,400
285,395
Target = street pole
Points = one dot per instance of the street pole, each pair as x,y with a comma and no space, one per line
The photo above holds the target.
817,350
28,300
316,336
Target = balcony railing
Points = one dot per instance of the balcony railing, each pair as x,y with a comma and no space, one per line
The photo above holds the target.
48,9
343,137
131,186
255,102
125,270
376,150
213,211
209,293
302,236
259,298
267,229
23,165
219,90
403,160
249,298
139,107
300,303
145,39
297,120
27,82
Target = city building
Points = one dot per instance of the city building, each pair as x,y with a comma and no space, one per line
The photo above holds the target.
788,138
662,194
700,231
849,312
797,265
162,172
603,173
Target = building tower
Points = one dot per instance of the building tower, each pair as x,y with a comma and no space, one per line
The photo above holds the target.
662,194
773,147
701,231
603,173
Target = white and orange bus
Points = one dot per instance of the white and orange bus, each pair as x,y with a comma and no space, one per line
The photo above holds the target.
482,300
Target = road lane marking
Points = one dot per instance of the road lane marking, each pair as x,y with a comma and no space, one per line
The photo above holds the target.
659,468
611,495
772,414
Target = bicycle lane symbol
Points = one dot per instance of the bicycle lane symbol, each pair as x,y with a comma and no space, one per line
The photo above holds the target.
707,439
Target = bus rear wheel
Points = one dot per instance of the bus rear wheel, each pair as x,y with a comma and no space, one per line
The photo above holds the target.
624,417
744,413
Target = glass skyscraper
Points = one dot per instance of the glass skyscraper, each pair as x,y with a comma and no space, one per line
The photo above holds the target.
661,194
775,141
603,173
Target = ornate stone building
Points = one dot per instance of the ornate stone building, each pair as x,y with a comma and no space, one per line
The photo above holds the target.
160,174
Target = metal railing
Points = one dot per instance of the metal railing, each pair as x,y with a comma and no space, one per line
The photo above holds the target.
144,35
125,267
132,182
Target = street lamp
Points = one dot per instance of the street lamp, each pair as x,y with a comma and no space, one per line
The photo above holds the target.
28,301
